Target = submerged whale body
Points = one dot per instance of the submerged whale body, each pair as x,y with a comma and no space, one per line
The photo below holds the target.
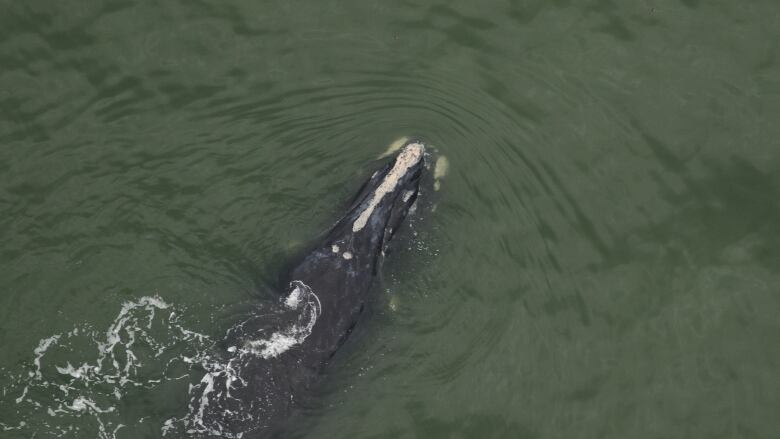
271,360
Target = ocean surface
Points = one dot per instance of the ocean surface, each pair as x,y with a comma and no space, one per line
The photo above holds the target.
602,259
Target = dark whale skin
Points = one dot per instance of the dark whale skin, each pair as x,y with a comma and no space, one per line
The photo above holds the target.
252,396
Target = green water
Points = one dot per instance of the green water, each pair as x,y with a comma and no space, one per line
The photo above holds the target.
603,260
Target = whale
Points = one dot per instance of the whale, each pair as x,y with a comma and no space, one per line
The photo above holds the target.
272,361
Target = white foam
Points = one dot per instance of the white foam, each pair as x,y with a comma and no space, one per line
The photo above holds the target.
410,156
347,255
281,341
21,397
81,404
194,422
222,376
74,372
294,299
40,351
87,385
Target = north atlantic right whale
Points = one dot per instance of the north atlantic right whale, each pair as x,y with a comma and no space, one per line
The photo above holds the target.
274,359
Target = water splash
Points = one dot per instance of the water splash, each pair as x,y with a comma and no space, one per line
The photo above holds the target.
310,308
223,376
64,382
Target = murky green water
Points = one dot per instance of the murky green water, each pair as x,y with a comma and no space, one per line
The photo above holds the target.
602,262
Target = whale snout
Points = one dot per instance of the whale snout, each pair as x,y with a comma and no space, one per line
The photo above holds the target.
393,189
378,210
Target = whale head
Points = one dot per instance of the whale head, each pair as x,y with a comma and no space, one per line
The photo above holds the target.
353,248
387,196
342,266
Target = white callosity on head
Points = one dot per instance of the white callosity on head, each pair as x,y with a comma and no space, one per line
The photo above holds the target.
334,248
410,156
347,255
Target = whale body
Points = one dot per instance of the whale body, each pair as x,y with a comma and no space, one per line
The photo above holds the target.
274,359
